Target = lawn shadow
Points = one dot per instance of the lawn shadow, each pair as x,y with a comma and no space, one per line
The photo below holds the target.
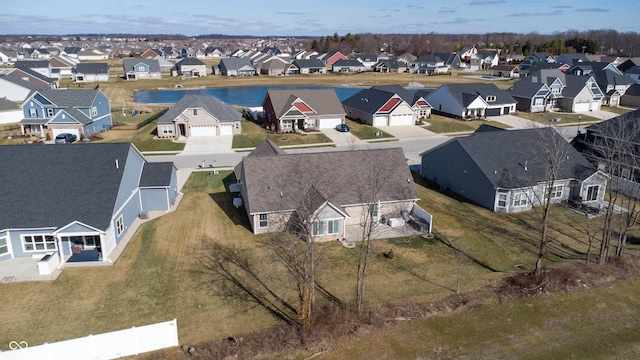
237,215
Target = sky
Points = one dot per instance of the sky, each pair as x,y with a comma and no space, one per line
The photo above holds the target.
314,18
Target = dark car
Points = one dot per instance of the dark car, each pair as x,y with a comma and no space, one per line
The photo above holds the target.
65,138
342,127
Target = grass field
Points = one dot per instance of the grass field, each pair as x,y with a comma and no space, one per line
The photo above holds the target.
442,124
366,132
158,276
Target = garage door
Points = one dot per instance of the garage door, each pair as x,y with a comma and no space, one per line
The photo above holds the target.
329,123
204,130
581,107
379,121
401,120
226,129
492,112
75,132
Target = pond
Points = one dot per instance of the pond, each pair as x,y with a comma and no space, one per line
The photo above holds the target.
242,96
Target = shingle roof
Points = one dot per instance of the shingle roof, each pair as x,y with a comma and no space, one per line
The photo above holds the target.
92,68
7,105
69,98
308,63
25,84
466,93
211,104
270,179
372,99
502,155
322,101
234,63
189,61
129,64
74,182
156,174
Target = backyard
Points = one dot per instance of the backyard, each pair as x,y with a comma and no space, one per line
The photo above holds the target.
159,275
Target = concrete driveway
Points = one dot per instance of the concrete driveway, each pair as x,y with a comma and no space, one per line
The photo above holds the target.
206,145
342,139
408,131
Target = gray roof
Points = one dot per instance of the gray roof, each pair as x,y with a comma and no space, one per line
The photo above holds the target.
526,88
234,63
31,64
274,183
372,99
211,104
308,63
129,64
69,98
23,83
322,101
573,83
92,68
267,148
156,174
351,63
189,61
465,93
75,182
6,105
501,156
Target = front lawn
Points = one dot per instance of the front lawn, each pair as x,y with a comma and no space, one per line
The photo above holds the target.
366,132
252,135
557,118
441,124
143,139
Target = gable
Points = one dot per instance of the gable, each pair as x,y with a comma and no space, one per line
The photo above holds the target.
63,117
390,104
302,106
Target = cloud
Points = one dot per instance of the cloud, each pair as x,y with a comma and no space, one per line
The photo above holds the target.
593,10
486,2
415,7
447,10
527,14
563,7
294,13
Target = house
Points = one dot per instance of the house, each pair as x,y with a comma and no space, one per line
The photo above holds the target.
571,59
199,115
279,189
272,65
92,55
291,110
390,66
47,113
505,71
63,66
91,72
633,73
331,57
487,58
233,66
16,85
137,68
42,67
504,171
620,134
151,53
430,65
368,60
214,52
541,65
9,112
383,106
536,57
191,67
611,81
469,101
630,98
531,96
572,93
310,66
88,199
348,66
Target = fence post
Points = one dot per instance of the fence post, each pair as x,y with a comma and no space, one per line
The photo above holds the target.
134,335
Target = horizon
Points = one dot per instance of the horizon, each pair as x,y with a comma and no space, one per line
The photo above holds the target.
281,19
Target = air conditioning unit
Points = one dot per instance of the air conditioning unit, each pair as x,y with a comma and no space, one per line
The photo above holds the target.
143,215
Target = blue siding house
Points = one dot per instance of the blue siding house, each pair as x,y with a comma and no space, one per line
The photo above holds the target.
47,113
77,203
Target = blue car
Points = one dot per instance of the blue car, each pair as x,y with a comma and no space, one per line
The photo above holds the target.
342,127
65,138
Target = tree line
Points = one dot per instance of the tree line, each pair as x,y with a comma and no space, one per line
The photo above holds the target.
606,42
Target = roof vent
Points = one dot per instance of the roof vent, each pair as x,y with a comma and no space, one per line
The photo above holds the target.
526,165
117,164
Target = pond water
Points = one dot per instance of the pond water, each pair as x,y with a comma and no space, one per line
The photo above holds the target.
242,96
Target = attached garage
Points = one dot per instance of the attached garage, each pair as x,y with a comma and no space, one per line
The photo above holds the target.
492,112
204,130
581,107
379,121
226,129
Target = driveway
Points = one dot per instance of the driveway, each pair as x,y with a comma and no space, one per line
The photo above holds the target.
207,145
408,131
514,121
342,139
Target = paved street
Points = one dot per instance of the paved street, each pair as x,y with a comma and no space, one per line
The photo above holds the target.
207,152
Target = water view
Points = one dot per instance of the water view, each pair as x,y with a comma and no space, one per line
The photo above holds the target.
243,96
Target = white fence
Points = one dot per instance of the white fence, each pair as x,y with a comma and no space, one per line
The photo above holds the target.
111,345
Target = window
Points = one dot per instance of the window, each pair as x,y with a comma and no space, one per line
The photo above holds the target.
287,124
374,211
626,174
4,248
333,226
262,221
555,90
502,200
38,242
317,228
520,199
491,98
556,191
50,112
538,102
195,112
120,225
33,112
167,130
312,123
141,68
94,111
592,193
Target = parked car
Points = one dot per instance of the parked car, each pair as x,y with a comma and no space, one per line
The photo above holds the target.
65,138
342,127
